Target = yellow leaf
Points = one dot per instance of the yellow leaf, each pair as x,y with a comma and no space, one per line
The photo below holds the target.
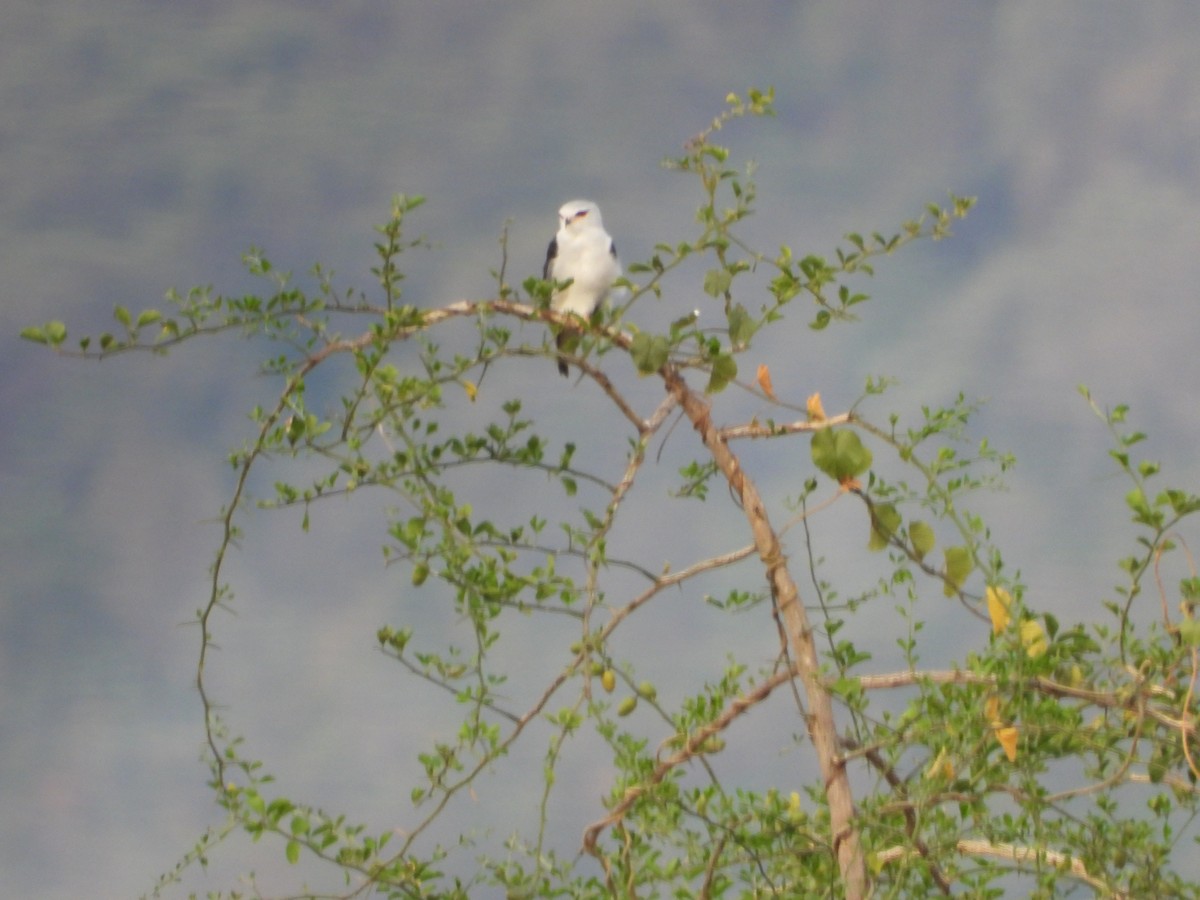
764,381
1008,740
794,810
816,412
1033,638
991,710
941,767
999,602
609,680
471,389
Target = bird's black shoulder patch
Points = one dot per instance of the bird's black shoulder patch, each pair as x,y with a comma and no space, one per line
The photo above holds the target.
551,253
612,248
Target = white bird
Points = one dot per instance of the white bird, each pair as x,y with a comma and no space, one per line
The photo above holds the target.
583,253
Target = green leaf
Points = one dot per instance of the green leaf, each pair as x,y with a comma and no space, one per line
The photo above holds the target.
148,317
741,326
1136,501
35,334
121,314
56,332
1181,503
1189,632
649,352
683,322
717,281
420,573
724,370
921,536
958,566
885,519
293,852
1157,768
255,801
840,454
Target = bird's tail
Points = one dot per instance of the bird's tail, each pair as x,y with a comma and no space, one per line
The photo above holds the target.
561,342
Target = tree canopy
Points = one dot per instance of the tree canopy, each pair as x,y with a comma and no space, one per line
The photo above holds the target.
1035,756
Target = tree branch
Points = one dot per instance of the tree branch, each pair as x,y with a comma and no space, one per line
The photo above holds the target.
822,728
1019,855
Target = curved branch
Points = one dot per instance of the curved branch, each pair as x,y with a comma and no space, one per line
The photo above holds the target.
1069,865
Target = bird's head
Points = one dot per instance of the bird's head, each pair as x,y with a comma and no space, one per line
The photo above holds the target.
579,214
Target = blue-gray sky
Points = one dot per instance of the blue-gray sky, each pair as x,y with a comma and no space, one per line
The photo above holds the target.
145,145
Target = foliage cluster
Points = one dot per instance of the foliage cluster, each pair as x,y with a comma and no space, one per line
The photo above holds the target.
1048,757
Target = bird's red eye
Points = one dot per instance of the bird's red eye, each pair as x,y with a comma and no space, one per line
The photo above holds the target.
581,214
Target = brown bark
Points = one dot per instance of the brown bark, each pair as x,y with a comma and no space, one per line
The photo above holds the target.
820,720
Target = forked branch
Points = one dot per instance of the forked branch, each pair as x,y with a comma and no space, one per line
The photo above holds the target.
822,729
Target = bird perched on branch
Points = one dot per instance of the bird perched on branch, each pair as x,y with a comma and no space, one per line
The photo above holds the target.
583,253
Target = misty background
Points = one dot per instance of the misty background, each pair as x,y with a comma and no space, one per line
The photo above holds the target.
146,145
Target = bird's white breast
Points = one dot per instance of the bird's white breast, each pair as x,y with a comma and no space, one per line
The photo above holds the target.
588,259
